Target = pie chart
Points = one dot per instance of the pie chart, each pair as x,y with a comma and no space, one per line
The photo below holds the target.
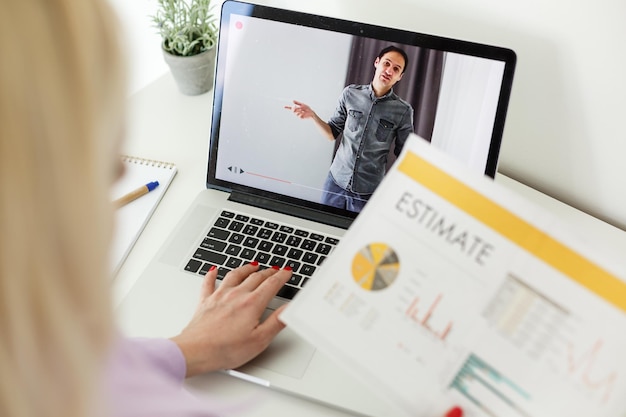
375,267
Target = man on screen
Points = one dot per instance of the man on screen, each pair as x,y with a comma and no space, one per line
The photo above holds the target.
370,118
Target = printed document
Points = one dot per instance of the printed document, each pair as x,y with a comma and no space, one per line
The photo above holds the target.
448,289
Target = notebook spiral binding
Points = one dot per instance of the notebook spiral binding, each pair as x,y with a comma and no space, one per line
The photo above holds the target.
148,162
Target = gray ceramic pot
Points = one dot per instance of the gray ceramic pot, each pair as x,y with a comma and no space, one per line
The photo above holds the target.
193,74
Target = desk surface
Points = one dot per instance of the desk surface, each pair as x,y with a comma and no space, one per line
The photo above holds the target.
166,125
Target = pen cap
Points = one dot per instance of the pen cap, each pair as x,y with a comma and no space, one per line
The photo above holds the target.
152,185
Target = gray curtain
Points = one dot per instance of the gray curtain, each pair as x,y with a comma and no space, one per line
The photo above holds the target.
419,85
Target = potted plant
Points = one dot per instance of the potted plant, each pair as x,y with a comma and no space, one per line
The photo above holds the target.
189,35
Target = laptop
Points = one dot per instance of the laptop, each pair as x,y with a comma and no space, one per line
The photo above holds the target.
267,168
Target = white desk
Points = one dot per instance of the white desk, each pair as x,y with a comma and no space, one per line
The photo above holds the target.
165,125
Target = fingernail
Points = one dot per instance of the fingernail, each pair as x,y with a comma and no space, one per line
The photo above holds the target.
287,268
275,267
254,263
212,268
455,412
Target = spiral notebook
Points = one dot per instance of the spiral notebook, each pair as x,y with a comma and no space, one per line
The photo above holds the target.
132,218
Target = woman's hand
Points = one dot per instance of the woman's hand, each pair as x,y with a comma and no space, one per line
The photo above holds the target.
226,330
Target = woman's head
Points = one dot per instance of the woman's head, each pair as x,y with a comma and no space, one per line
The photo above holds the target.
61,96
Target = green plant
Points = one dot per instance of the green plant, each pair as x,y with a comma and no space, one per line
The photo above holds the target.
187,27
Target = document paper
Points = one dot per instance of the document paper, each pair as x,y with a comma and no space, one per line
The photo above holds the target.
449,289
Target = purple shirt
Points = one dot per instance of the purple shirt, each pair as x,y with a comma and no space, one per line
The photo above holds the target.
144,378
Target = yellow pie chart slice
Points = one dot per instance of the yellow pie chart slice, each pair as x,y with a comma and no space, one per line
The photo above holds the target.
375,267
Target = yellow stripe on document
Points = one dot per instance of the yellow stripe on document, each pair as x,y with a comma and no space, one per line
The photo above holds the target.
522,233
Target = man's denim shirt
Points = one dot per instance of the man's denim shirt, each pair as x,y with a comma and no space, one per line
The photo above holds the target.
369,125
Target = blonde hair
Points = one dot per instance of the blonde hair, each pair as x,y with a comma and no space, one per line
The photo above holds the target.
61,96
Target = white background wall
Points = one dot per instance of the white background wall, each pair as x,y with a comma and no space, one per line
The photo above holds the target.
564,133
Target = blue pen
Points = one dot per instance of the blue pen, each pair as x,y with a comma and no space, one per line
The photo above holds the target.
135,194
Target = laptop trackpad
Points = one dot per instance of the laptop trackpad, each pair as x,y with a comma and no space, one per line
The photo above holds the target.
288,354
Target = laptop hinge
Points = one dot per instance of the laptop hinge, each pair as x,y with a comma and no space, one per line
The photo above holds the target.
290,209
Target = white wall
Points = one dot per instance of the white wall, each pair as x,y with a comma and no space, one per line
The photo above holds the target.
142,42
564,133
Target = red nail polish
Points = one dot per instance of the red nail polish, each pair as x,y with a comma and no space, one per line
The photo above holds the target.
287,268
275,267
254,263
212,268
455,412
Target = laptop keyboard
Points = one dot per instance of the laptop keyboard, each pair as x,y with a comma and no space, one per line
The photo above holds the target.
236,239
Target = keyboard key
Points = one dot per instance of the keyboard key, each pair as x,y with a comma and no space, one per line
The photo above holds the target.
236,238
233,250
293,241
212,244
247,254
286,229
222,222
263,258
233,262
279,237
205,268
208,256
280,250
228,214
331,240
316,236
320,260
242,218
265,246
294,253
301,233
308,244
235,226
294,280
307,270
250,230
323,248
288,292
256,222
264,233
309,257
271,225
218,234
294,265
193,265
250,242
277,261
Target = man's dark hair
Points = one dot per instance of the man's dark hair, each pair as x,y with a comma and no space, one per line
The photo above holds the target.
392,48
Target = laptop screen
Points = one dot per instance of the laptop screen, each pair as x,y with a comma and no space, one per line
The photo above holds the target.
310,111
